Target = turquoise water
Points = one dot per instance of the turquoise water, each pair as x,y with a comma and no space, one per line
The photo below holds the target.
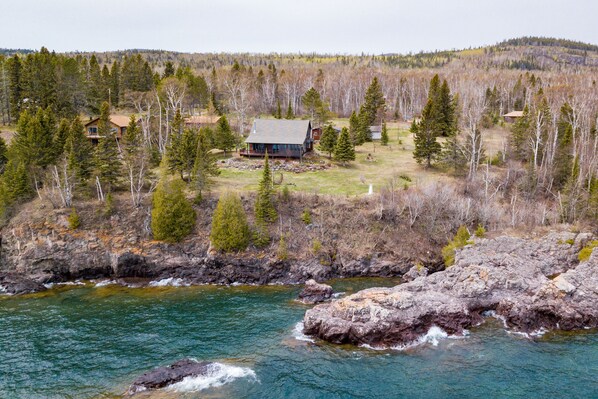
92,342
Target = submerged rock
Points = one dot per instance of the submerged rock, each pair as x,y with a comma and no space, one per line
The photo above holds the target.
314,292
532,284
164,376
15,284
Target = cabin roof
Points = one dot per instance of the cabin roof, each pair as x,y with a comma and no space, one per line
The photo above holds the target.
278,131
514,114
202,119
375,129
118,120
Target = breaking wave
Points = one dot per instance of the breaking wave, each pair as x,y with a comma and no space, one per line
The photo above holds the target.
299,335
218,374
169,282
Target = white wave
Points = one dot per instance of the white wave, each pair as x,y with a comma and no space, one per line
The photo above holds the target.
104,283
433,337
299,335
338,294
218,374
47,285
3,290
169,282
492,313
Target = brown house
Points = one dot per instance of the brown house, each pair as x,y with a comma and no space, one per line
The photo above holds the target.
198,121
281,138
512,116
118,123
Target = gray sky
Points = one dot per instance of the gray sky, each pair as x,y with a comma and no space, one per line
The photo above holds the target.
349,26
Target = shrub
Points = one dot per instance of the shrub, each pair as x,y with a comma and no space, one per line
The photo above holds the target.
316,246
480,232
285,194
230,231
282,253
173,217
461,239
586,251
108,206
74,220
306,216
261,236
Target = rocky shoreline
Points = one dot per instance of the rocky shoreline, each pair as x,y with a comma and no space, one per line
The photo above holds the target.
532,284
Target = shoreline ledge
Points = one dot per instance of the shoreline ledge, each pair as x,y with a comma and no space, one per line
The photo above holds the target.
533,284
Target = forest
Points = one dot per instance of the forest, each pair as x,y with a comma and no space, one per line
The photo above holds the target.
545,173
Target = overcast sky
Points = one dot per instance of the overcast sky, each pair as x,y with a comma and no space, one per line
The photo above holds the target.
336,26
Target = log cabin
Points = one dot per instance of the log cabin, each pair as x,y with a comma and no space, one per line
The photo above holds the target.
118,123
199,121
282,138
512,116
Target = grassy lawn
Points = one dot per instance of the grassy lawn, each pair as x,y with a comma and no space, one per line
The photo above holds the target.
388,162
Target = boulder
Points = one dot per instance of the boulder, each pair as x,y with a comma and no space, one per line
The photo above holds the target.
164,376
533,284
15,284
314,292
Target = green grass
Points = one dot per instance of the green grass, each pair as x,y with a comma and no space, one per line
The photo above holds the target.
389,162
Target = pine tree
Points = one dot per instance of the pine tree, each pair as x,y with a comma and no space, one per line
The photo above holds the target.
33,141
344,151
230,231
225,138
3,154
427,149
173,217
374,103
168,70
79,151
384,135
520,136
278,114
106,157
290,114
354,129
264,205
328,140
60,137
563,157
205,164
115,84
311,101
364,133
15,73
16,185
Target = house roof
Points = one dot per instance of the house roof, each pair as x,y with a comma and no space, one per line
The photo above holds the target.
278,131
514,114
118,120
202,119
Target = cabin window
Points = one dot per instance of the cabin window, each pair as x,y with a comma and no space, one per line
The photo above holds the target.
275,148
92,130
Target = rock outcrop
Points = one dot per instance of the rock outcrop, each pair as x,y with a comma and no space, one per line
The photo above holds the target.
164,376
16,284
314,292
532,283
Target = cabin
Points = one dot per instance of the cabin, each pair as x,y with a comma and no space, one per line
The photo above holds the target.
118,123
199,121
376,132
512,116
281,138
316,133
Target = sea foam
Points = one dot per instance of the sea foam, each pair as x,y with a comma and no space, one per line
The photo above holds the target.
218,374
299,335
169,282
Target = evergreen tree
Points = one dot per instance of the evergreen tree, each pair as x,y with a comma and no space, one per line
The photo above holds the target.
264,205
183,145
328,140
168,70
60,137
384,135
79,151
354,129
15,74
364,133
374,103
344,151
224,136
115,84
290,114
230,231
173,217
520,136
3,154
311,101
16,185
563,157
278,114
33,141
205,164
106,157
427,149
446,123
